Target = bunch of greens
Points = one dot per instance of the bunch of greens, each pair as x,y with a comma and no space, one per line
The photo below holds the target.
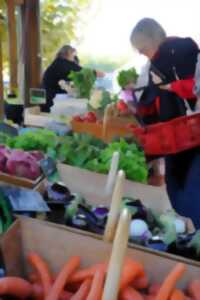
4,138
107,98
132,160
100,99
83,81
41,139
89,153
78,149
127,77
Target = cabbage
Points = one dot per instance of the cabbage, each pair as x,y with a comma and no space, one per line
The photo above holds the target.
22,164
4,154
38,155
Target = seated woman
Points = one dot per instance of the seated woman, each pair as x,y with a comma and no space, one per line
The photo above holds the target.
66,60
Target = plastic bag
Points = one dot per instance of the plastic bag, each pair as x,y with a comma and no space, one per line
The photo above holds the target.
197,83
24,200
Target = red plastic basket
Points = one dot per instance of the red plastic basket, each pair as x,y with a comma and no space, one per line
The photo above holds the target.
170,137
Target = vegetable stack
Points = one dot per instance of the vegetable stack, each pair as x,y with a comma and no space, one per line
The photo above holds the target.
83,81
73,283
86,152
127,77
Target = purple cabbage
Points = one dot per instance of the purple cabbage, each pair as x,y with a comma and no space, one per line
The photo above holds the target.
22,164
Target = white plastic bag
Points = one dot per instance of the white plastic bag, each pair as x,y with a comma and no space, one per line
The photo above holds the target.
197,83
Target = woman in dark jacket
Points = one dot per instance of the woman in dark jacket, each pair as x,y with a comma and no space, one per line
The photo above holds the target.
65,62
173,62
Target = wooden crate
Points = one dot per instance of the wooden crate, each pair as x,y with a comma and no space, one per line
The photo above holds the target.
115,128
20,181
27,235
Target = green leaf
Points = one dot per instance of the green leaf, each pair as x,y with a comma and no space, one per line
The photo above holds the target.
125,77
83,81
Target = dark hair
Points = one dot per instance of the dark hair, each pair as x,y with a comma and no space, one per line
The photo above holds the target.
64,51
76,60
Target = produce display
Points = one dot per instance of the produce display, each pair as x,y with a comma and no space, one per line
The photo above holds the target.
83,82
75,283
83,151
99,99
40,139
127,77
162,232
20,163
86,152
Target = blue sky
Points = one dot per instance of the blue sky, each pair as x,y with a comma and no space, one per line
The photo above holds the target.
109,29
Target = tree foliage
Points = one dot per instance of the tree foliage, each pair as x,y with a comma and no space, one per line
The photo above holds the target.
4,31
60,24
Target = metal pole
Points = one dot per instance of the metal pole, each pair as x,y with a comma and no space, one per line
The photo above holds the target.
12,45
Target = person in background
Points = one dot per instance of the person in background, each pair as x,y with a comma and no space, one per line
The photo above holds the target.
173,62
66,60
76,58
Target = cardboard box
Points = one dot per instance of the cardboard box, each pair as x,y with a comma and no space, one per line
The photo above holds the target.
21,181
92,186
35,118
56,245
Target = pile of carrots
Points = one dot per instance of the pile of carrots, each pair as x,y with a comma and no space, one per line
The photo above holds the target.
73,283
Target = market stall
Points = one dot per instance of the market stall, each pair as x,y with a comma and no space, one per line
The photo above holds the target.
79,217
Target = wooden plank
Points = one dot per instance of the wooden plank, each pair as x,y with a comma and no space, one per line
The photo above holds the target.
30,57
1,83
19,2
12,45
154,197
28,235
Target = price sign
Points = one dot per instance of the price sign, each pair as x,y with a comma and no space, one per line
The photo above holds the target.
37,96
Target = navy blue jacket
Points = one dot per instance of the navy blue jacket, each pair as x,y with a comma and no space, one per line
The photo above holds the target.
176,56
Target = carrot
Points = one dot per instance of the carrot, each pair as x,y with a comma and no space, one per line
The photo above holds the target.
84,274
38,293
141,283
58,286
16,287
66,296
130,271
96,290
194,289
42,269
149,297
177,295
170,282
73,287
33,278
154,288
130,293
83,291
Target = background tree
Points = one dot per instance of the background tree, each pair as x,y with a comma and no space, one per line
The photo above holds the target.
60,21
4,31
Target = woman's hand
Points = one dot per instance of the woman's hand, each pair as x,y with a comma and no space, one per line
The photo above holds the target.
100,74
157,80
